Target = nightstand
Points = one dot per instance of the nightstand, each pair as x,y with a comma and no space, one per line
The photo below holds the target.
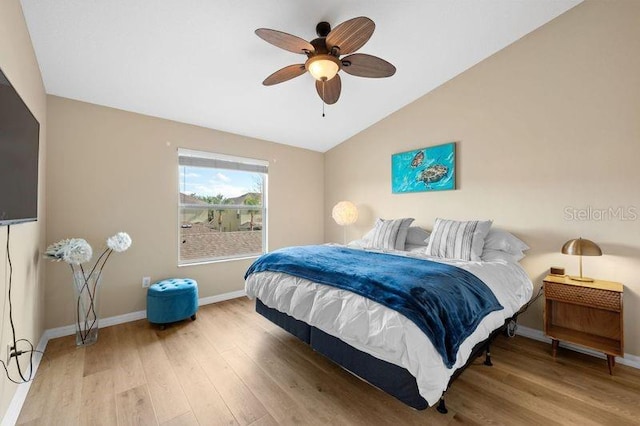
588,314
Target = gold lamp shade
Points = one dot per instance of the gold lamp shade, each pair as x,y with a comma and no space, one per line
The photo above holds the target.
581,247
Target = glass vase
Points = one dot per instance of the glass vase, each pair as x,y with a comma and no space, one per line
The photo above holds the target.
87,291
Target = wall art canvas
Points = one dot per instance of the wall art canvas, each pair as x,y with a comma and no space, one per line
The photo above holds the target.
426,169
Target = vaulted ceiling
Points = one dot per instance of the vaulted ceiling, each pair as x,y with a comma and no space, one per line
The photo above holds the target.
199,62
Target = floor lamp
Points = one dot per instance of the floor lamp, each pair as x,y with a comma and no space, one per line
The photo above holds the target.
345,213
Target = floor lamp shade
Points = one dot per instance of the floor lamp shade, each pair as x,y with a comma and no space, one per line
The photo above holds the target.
344,213
581,247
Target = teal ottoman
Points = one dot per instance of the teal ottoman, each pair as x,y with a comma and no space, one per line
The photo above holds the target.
172,300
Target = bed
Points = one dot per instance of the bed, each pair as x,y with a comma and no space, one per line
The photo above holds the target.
377,343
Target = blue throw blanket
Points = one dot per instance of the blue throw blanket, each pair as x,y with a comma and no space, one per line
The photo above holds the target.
447,303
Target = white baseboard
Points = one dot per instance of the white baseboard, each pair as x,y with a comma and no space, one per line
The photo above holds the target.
68,330
629,359
13,411
221,297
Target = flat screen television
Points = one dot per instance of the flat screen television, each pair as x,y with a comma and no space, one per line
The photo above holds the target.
19,144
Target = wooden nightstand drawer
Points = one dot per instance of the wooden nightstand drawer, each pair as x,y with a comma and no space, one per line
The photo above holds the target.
594,297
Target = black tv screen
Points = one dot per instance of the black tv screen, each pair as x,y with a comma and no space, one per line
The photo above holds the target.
19,141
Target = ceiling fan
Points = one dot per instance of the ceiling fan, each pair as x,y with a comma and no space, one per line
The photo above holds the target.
323,56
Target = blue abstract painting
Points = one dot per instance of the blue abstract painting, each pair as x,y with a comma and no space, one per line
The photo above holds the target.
426,169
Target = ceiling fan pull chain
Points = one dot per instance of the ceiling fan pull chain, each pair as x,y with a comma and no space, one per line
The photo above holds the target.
323,83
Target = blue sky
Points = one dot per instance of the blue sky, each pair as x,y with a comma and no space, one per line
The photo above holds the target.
206,181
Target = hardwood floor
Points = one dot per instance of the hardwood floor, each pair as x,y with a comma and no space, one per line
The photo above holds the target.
231,366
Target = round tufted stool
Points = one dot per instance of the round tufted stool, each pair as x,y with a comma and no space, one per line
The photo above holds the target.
172,300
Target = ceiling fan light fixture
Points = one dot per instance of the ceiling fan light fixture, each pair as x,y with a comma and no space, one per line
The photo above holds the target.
323,67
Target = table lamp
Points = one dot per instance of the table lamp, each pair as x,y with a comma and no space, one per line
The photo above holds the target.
344,213
581,247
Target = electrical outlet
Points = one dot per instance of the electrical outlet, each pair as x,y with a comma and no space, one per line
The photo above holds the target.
146,282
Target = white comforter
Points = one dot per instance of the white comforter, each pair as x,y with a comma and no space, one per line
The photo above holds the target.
384,333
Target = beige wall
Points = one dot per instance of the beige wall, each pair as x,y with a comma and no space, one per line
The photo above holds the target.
18,62
552,121
109,170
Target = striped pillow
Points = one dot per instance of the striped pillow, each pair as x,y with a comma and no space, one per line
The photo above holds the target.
452,239
390,234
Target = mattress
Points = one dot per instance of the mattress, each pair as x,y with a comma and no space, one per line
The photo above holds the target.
384,333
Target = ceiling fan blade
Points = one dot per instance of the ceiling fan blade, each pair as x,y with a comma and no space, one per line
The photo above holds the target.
330,93
284,74
362,65
285,41
351,35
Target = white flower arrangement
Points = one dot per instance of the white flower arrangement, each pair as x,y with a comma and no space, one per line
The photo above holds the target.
75,252
119,242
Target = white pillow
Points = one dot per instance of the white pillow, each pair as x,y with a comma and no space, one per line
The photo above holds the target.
417,236
365,241
414,248
390,234
454,239
361,243
490,255
498,239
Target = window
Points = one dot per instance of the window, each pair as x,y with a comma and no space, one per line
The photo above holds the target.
222,208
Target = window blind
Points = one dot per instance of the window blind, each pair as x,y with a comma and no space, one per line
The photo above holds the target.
205,159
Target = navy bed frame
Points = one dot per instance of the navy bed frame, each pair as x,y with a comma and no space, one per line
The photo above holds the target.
393,379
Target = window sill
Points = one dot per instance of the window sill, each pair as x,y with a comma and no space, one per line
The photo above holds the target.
219,260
